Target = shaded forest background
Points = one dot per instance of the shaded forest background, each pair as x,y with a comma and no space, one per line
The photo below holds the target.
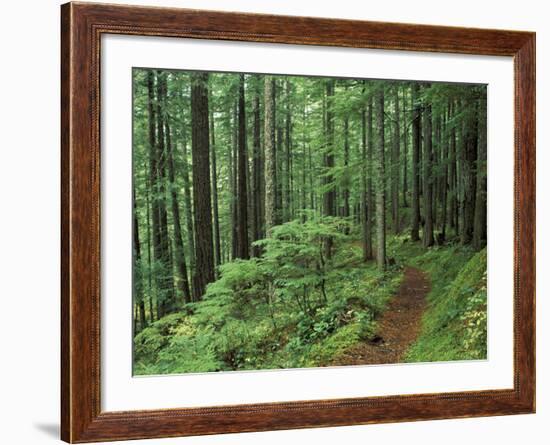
273,216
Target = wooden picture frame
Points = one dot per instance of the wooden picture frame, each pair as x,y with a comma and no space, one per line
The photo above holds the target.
82,25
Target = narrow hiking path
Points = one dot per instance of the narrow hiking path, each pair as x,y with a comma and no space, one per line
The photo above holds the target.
397,328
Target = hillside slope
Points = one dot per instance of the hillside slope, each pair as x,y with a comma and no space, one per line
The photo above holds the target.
454,326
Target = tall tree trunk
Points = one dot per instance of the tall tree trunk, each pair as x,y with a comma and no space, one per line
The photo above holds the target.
460,170
153,181
305,147
270,159
256,173
445,179
312,196
380,183
156,173
286,165
366,180
395,166
364,211
261,162
416,125
279,155
139,299
370,176
204,272
187,200
453,220
135,319
234,181
168,301
242,170
469,159
436,168
149,255
181,266
345,191
330,192
405,149
215,205
427,178
480,219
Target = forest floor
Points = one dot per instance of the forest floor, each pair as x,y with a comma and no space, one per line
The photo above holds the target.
429,306
397,328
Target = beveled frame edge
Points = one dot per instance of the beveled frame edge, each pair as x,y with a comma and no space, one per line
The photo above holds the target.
82,25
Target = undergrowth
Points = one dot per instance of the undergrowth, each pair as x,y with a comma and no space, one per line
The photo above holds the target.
454,326
293,308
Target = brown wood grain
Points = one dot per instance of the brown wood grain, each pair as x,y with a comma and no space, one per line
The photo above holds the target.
81,28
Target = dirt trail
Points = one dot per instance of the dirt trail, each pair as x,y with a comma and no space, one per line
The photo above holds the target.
398,326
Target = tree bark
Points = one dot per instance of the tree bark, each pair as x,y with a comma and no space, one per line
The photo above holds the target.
345,191
445,179
242,170
395,167
287,164
405,149
370,177
279,158
469,159
152,122
204,272
187,200
330,192
149,255
305,148
427,178
168,300
416,142
233,176
181,266
366,179
139,299
480,219
453,220
215,205
436,168
380,183
270,165
256,173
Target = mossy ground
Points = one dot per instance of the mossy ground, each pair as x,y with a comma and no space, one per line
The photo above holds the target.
454,326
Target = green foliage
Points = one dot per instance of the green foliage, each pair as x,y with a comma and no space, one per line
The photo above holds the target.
250,318
455,323
150,341
294,305
290,308
475,319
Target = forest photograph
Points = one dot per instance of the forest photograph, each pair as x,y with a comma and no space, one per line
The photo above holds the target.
285,221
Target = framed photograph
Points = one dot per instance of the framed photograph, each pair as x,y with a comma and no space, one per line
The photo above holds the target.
274,222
